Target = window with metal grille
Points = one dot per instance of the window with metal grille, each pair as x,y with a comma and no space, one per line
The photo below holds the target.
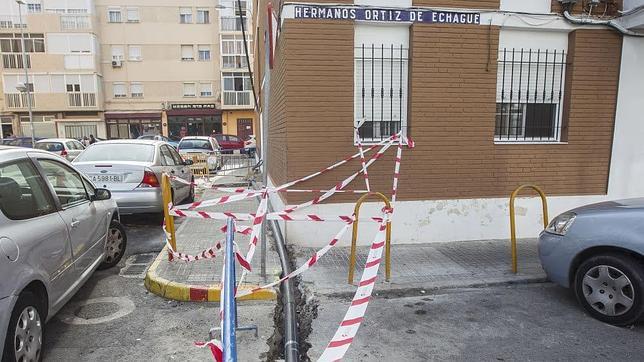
529,95
114,15
381,90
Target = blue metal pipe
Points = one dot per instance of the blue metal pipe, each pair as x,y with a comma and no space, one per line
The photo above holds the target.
230,311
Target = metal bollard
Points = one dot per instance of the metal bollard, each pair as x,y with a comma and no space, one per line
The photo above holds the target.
230,309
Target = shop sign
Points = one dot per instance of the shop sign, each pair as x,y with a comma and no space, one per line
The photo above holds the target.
386,15
194,106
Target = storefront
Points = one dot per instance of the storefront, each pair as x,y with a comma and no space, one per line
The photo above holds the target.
132,125
193,120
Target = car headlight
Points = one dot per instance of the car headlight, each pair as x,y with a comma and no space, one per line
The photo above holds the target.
562,223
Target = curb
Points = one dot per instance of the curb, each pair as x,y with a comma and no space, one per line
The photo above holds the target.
192,293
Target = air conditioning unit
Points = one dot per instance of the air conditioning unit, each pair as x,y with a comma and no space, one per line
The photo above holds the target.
117,63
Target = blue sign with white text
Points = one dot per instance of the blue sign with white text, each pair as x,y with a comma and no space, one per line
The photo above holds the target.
386,15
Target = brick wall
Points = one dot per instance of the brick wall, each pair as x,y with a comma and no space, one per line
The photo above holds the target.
452,115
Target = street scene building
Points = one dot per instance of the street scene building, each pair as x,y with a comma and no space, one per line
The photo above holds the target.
101,67
494,98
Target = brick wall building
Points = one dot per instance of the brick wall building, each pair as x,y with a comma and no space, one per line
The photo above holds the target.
492,96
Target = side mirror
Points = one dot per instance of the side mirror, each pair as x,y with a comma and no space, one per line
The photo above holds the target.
188,162
101,194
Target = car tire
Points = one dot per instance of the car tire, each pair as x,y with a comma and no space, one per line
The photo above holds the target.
26,328
600,278
114,245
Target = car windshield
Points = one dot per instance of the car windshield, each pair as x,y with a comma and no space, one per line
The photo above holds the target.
117,152
50,146
195,144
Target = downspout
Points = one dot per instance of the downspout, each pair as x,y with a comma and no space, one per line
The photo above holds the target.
612,23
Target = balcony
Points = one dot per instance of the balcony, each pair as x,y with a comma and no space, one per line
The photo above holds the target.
19,100
237,98
75,22
232,24
14,61
78,99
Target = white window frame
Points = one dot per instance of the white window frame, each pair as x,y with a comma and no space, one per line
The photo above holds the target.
132,14
194,87
185,15
114,10
122,86
184,57
132,56
201,19
117,55
139,92
204,52
205,89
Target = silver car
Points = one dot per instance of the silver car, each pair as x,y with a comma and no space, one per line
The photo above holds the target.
56,228
202,145
598,250
65,147
132,170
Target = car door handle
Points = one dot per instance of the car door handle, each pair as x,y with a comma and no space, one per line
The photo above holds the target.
74,223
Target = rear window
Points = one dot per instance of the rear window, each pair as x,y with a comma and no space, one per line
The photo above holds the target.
220,137
23,194
195,144
117,152
50,146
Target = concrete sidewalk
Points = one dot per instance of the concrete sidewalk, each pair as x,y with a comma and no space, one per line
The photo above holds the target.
199,280
427,266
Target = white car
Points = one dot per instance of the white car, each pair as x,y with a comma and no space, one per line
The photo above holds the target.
202,145
67,148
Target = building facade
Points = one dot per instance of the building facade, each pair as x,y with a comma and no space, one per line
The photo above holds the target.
495,94
173,68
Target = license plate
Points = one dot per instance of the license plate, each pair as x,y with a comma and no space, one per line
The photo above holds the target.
107,178
237,151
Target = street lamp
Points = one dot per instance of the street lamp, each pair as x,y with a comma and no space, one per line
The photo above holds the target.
25,88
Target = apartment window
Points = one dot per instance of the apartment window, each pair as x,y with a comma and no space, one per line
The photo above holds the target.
187,52
205,89
117,53
34,8
34,43
237,89
114,15
185,15
132,15
134,53
189,90
244,7
136,90
119,90
529,95
204,52
232,50
203,16
381,81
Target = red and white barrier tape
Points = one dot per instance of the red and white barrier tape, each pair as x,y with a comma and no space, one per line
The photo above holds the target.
209,253
362,162
270,216
304,267
349,326
215,348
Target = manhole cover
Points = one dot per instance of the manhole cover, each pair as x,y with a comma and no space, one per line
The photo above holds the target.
96,310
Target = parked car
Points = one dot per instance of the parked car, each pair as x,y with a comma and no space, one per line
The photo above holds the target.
202,145
250,145
7,141
598,250
132,169
159,138
23,142
56,228
65,147
229,143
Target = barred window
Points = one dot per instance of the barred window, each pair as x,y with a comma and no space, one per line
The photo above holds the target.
529,95
381,90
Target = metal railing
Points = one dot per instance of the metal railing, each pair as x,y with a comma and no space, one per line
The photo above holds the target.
513,227
19,100
354,238
77,99
237,98
232,24
75,22
15,61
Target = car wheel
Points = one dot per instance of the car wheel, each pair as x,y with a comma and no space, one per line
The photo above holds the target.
25,334
115,245
611,288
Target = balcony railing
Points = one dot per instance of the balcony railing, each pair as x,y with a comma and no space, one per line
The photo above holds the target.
75,22
14,61
241,98
19,100
232,24
78,99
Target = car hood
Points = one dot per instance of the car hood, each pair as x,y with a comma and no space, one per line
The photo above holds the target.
611,206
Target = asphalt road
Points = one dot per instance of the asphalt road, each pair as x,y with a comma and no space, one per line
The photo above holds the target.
113,318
